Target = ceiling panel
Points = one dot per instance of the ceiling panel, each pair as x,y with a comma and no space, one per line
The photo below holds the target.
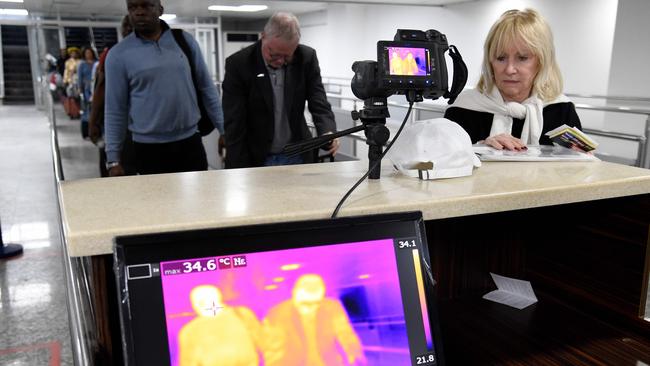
185,8
182,8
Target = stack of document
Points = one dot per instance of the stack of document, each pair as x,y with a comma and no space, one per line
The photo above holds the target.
532,153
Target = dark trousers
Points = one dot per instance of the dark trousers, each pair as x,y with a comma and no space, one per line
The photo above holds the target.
186,155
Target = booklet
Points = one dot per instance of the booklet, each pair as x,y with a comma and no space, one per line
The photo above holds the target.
512,292
572,137
533,153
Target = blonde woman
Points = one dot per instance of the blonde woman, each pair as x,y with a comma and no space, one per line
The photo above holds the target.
519,95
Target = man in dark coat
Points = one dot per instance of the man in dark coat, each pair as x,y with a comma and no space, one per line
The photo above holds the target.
264,93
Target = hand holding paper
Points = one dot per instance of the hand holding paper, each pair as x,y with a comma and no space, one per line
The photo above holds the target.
572,137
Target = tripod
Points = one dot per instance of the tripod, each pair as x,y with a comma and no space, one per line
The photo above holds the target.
9,250
373,118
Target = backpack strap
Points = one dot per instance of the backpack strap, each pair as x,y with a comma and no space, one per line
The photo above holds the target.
182,43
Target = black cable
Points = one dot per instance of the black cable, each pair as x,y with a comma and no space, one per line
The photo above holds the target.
302,147
338,207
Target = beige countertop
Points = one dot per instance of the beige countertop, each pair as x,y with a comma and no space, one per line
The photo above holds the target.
94,211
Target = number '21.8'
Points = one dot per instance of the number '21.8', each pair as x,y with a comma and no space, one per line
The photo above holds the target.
424,360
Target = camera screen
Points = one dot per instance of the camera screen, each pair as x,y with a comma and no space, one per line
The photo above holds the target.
411,61
357,283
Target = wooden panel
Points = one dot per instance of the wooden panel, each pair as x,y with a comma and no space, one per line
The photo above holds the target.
479,332
593,250
465,250
587,263
109,340
597,255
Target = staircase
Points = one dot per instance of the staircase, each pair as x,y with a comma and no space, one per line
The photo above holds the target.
104,37
77,37
19,88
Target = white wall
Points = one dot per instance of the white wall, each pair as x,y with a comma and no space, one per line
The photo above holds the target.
583,29
630,75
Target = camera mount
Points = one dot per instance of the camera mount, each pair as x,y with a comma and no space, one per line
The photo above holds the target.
373,123
413,64
373,118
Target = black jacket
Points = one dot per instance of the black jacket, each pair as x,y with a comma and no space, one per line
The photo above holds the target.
478,124
248,103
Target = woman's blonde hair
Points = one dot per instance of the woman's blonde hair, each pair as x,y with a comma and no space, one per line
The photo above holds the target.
529,27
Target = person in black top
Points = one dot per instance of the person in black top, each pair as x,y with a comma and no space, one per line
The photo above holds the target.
519,95
60,61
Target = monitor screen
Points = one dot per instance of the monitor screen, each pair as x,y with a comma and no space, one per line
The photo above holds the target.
352,291
408,61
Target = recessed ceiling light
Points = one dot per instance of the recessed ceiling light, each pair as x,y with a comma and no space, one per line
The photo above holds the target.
167,17
242,8
290,267
12,1
13,12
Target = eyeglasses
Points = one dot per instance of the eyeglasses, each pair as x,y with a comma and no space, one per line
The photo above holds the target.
278,56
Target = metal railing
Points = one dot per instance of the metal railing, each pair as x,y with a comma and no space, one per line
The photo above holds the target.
80,310
609,97
642,158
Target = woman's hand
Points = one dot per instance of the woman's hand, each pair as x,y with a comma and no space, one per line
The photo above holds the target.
505,141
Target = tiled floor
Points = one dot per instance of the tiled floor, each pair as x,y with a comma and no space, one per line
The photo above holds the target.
34,326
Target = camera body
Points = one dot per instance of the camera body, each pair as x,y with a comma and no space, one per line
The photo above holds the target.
413,63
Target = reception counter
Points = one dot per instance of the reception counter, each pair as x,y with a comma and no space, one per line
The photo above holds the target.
97,210
578,231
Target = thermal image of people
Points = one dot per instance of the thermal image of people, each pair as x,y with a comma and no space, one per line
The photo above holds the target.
219,334
311,329
396,64
410,66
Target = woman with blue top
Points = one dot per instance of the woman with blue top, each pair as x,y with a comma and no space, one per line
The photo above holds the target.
85,82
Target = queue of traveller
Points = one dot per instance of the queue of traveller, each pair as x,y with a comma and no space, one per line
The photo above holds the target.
72,79
157,90
151,92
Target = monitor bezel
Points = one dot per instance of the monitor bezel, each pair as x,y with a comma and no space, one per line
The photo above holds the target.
164,248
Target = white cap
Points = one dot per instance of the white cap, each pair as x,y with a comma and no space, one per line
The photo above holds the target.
433,149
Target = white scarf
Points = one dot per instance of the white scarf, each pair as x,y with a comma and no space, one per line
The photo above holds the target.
530,111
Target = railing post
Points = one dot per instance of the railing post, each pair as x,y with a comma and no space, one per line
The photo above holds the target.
415,115
643,158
